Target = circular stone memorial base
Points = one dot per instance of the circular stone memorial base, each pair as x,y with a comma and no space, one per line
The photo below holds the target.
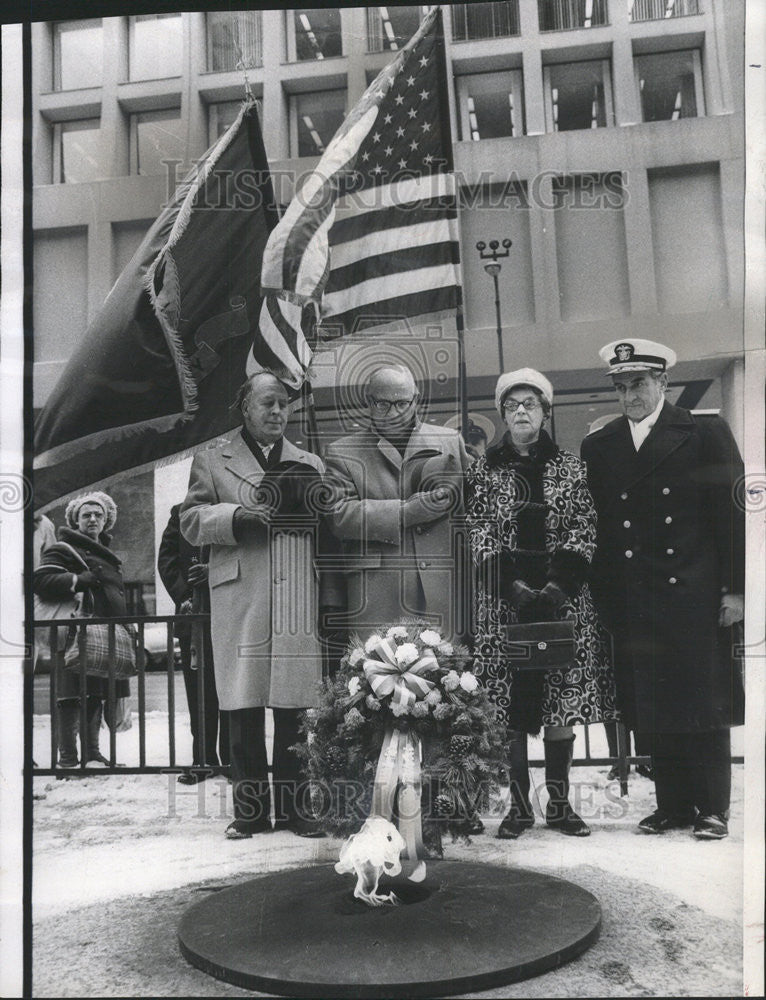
467,927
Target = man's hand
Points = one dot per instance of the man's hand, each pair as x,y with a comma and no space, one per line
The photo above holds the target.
553,598
732,610
429,505
197,574
248,525
86,580
185,607
522,594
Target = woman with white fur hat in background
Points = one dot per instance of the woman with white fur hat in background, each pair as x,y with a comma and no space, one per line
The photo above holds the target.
532,530
84,542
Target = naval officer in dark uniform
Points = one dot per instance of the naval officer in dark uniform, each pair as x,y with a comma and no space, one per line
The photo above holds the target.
668,578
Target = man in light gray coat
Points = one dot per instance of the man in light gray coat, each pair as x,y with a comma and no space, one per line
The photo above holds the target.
397,509
250,500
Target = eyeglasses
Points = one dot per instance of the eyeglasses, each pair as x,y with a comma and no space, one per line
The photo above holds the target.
529,404
383,406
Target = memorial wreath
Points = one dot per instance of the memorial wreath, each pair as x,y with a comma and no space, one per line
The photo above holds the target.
404,710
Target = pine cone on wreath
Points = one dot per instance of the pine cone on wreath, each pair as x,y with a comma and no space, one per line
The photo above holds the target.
442,806
460,747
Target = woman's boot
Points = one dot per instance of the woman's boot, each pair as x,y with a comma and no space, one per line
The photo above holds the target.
69,727
520,816
558,813
93,755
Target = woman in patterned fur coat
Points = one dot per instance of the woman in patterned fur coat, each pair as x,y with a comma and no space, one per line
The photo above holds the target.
532,528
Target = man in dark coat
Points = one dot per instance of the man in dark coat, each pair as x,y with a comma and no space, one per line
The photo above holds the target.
183,571
668,577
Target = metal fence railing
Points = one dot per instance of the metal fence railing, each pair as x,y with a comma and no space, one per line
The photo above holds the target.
622,760
138,625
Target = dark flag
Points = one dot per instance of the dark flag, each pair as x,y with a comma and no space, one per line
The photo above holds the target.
156,371
372,235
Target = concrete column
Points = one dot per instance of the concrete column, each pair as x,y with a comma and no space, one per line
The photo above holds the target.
546,278
353,28
42,83
534,98
275,100
193,110
732,195
115,124
100,263
627,105
733,399
638,237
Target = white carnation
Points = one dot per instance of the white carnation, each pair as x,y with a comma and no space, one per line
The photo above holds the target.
430,637
353,686
372,642
468,682
397,632
451,680
357,655
406,654
446,648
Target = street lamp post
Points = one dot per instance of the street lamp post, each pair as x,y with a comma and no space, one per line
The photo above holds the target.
493,269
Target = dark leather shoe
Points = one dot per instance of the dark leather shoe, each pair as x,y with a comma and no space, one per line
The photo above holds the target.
564,819
514,824
301,827
475,825
432,841
712,827
661,822
193,777
243,830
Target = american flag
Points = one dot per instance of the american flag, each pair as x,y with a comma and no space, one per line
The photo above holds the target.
372,236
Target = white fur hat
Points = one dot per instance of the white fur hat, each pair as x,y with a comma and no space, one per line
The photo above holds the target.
523,376
104,501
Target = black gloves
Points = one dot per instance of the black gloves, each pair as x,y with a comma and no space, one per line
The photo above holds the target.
522,595
248,525
549,601
86,580
552,599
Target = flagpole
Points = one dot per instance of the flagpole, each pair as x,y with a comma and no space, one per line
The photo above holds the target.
446,130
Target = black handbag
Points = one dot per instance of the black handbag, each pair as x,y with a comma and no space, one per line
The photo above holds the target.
540,645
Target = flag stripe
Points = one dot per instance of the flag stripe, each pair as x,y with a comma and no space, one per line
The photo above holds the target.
402,307
376,290
400,263
375,224
401,193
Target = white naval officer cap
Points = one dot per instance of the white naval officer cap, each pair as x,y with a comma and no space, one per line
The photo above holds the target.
635,355
523,376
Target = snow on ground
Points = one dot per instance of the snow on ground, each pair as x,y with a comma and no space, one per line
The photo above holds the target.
106,837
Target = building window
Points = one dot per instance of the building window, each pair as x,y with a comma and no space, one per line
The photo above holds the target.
234,37
484,20
670,85
490,105
578,95
560,15
78,54
155,46
313,33
77,151
157,141
223,114
314,120
389,28
658,10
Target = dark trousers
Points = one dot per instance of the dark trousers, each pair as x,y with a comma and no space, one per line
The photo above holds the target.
249,766
691,769
216,731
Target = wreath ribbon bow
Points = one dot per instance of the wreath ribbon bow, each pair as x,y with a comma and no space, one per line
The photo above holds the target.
406,683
